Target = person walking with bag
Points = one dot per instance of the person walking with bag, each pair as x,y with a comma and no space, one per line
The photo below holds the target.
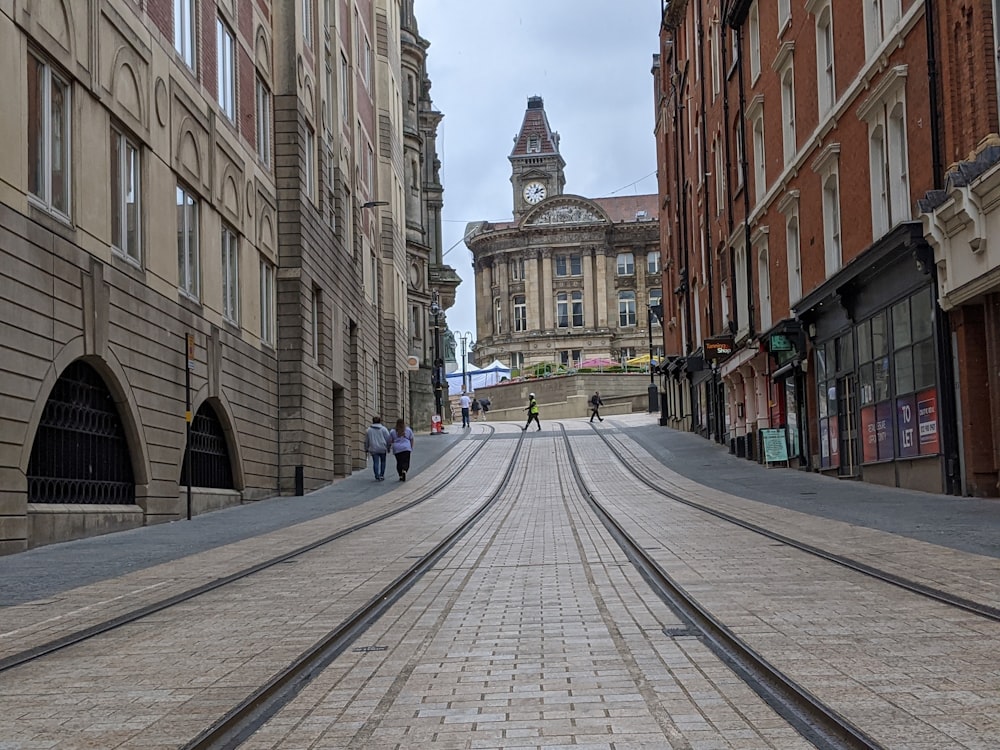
595,407
401,441
532,412
475,407
377,445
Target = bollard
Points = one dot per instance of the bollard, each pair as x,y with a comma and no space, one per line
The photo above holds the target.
300,482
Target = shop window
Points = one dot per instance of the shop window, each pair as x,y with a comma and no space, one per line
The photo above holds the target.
873,390
914,375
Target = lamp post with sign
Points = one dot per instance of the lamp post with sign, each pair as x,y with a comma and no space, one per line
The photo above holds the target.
655,315
717,349
466,338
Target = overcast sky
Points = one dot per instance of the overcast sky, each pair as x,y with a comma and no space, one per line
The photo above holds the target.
589,60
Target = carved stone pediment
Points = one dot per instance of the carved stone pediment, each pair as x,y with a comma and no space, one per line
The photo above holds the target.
565,212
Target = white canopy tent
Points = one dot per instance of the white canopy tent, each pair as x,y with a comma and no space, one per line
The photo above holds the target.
477,377
492,373
455,379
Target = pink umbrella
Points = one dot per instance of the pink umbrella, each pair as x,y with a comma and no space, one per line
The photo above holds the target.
598,362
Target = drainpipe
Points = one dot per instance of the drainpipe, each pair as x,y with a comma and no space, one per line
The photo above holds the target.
704,176
746,186
953,465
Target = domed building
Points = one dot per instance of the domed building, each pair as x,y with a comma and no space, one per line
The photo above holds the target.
570,278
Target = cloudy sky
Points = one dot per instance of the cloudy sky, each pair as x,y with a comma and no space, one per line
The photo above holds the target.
589,60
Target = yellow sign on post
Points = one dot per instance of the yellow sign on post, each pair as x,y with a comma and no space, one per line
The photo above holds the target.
190,351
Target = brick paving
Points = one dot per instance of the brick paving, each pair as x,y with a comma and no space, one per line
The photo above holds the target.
534,631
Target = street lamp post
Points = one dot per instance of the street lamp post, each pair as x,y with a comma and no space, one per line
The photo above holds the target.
437,374
655,313
466,338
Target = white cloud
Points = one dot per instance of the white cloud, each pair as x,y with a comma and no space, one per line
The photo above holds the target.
589,60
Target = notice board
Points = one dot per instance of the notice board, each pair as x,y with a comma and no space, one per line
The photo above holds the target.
775,445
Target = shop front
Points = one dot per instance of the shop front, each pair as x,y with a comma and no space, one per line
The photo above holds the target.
878,368
786,345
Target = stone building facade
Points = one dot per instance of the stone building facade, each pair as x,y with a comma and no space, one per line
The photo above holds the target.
194,191
431,283
570,278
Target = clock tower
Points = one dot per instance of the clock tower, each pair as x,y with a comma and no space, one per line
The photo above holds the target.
536,165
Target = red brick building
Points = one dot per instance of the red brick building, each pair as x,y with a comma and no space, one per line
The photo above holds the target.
961,221
797,137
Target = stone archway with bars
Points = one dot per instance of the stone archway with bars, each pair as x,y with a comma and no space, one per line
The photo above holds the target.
80,454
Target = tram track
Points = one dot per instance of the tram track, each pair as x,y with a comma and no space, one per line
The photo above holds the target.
813,719
979,609
39,651
240,722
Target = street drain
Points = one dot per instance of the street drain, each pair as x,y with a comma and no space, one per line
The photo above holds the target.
681,632
367,649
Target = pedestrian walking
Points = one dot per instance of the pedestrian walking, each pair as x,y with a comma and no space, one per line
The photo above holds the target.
532,412
475,407
484,404
465,402
595,407
401,441
377,445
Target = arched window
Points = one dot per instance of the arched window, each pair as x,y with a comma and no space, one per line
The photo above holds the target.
209,453
80,453
520,313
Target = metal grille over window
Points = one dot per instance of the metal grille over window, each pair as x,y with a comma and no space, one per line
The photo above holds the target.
209,454
80,454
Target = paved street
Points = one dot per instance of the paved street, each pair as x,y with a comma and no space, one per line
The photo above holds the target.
534,630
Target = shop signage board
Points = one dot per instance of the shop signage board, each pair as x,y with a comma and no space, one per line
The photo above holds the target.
719,348
780,343
775,443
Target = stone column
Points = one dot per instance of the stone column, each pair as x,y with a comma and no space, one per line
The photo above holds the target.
546,297
601,285
589,307
532,296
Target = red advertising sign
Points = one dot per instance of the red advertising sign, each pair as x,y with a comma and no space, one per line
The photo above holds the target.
869,435
927,422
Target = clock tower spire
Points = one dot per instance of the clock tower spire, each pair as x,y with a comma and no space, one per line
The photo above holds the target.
536,165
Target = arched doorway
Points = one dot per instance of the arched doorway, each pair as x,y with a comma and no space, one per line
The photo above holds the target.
209,453
80,454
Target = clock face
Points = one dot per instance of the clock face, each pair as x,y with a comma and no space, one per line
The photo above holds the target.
534,192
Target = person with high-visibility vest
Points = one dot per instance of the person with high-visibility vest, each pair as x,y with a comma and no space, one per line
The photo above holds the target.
532,412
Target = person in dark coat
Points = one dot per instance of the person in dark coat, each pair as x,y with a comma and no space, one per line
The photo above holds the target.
595,407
